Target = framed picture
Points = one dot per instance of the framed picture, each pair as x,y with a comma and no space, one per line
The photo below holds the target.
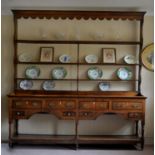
46,54
108,55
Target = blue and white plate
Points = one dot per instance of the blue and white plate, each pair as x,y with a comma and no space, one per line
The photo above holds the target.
104,86
94,73
59,73
32,72
65,58
48,85
130,59
91,58
124,73
26,84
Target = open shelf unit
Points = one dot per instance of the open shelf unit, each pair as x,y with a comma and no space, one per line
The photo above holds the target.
75,103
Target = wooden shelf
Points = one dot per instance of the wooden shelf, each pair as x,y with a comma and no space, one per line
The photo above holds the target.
78,42
67,139
74,63
108,139
79,79
43,139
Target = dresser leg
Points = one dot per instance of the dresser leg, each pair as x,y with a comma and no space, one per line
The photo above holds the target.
142,136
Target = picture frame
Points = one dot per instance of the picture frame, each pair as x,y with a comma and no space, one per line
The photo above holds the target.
108,55
46,54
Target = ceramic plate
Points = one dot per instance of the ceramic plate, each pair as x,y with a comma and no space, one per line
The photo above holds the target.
32,72
94,73
104,86
59,73
91,59
129,59
26,84
124,73
24,57
147,57
65,58
48,85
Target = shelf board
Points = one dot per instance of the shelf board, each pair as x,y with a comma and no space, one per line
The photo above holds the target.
39,139
78,42
108,139
67,139
58,63
47,79
79,79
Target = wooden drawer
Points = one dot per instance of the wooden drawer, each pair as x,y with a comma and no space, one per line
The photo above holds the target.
135,115
85,105
61,104
22,104
87,115
102,105
122,105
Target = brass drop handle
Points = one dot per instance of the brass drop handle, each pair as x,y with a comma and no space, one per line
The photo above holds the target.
34,104
18,113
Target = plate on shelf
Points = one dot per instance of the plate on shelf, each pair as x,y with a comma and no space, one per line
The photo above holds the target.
26,84
91,58
59,73
65,58
32,72
48,85
24,57
104,86
94,73
124,73
130,59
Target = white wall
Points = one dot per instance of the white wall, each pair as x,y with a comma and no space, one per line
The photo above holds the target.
39,124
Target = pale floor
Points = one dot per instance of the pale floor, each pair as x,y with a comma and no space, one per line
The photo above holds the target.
29,150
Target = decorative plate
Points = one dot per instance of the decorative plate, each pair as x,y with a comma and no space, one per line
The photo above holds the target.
94,73
26,84
148,57
104,86
24,57
130,59
91,59
124,73
65,58
59,73
32,72
48,85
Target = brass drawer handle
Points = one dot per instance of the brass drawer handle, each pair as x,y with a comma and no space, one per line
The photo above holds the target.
35,104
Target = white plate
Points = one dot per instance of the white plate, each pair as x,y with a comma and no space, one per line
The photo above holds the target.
124,73
65,58
94,73
104,86
59,73
24,57
32,72
26,84
91,59
48,85
130,59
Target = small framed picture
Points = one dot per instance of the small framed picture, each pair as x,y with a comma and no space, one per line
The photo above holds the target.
108,55
46,54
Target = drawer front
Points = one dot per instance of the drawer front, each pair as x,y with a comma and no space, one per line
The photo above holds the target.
120,105
68,104
87,115
22,104
84,105
102,105
135,105
61,104
135,115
